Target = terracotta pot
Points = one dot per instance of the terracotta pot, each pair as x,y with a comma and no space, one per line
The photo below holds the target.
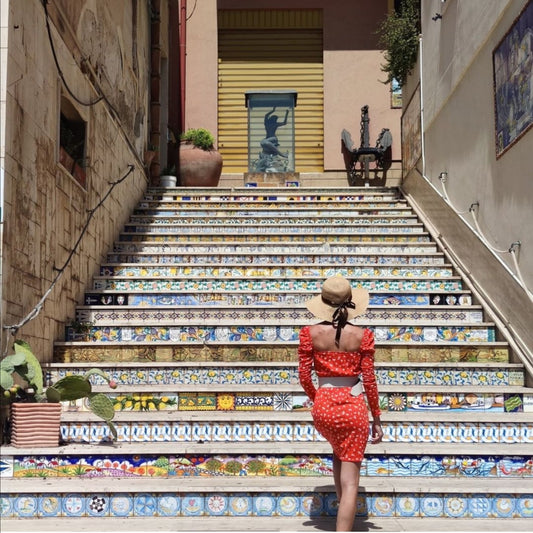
35,424
199,168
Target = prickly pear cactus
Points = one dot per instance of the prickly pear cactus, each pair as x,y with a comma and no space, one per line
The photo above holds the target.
102,406
70,388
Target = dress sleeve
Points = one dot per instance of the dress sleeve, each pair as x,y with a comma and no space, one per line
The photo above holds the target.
305,367
367,351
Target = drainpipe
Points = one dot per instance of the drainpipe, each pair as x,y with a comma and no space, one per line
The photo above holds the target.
183,53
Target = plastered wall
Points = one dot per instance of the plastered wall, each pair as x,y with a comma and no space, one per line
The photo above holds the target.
459,138
102,50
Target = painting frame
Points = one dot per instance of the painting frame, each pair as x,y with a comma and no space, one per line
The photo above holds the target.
512,64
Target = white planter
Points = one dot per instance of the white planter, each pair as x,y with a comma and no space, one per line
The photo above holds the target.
167,181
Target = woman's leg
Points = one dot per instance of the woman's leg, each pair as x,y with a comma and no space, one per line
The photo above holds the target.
349,485
337,476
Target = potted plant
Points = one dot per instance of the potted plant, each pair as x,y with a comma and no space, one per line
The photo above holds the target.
200,164
168,177
36,409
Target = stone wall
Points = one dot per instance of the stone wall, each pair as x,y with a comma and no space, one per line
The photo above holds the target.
102,50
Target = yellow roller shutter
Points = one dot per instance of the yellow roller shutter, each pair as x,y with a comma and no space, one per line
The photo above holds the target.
265,50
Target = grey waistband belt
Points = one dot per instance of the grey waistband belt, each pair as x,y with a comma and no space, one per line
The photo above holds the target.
342,381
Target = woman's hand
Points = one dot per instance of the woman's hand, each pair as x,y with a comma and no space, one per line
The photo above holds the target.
377,432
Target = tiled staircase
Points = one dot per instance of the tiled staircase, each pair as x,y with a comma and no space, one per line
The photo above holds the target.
196,315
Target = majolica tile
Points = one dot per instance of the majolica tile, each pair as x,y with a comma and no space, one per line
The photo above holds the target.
288,504
192,504
455,506
432,505
181,432
240,504
264,504
168,505
97,504
74,505
121,505
382,505
406,506
479,505
312,504
49,505
502,506
524,505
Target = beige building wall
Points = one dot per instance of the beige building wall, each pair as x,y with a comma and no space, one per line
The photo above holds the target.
102,51
352,71
459,138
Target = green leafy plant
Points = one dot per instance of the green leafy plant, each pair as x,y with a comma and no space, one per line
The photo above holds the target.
200,137
23,365
399,34
169,171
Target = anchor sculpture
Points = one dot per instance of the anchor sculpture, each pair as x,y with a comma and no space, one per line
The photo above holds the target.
366,154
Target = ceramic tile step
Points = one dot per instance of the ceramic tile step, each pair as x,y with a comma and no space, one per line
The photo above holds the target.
271,229
109,352
250,333
397,373
376,225
272,315
239,282
220,266
247,201
271,511
366,217
272,433
155,253
122,318
378,296
360,244
135,466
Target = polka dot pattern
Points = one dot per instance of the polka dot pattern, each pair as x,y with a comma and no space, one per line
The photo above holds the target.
341,418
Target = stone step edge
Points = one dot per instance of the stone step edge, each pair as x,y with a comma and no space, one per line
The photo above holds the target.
273,448
302,415
378,344
270,243
276,306
275,364
261,523
268,388
248,484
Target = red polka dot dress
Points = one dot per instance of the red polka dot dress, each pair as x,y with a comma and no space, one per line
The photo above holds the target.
341,418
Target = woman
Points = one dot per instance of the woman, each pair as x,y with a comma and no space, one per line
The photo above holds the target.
341,354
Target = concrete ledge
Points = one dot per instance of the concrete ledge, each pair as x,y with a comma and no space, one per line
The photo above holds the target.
265,524
180,485
270,448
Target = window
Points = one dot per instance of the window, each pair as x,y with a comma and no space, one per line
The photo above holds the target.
72,141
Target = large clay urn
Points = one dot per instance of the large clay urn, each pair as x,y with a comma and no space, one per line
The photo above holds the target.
198,167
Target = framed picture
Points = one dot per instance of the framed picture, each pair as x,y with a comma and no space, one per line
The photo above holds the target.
512,62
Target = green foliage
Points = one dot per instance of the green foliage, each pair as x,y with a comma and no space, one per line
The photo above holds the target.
200,137
169,171
24,365
399,34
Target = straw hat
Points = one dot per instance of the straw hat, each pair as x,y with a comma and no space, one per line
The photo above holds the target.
335,292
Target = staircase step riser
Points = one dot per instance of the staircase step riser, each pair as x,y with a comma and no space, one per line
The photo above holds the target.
204,254
181,432
119,315
309,286
308,505
266,466
277,269
281,334
246,298
106,353
386,374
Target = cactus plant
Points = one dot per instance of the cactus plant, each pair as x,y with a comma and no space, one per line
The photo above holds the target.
69,388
